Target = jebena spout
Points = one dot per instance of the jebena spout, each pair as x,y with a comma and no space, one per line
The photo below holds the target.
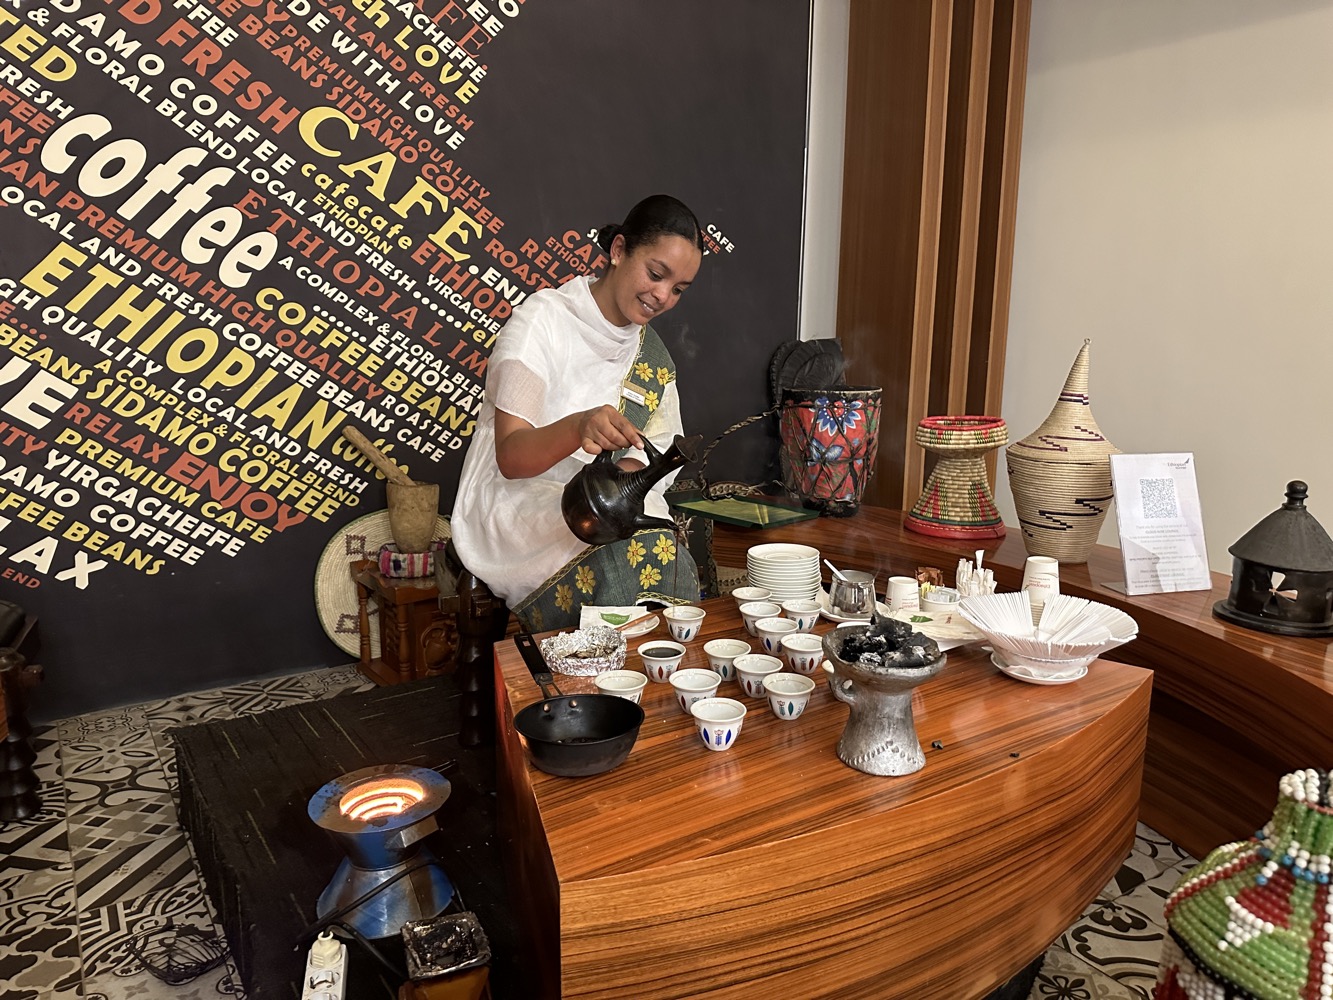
603,503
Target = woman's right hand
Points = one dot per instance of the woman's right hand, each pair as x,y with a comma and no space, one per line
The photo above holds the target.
604,428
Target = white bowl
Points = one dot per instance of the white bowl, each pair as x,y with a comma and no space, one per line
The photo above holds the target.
803,612
803,651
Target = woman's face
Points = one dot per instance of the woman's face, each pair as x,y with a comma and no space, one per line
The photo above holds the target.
648,282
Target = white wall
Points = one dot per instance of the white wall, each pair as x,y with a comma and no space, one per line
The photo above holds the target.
1176,206
823,168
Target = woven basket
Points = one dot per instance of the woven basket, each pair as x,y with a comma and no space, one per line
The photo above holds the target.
1254,919
1060,475
957,501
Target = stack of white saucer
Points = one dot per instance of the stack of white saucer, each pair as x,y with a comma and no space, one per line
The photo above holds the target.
787,571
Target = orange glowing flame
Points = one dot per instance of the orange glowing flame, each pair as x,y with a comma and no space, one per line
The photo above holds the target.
380,797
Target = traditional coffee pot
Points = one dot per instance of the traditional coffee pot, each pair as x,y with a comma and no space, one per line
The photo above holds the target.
603,503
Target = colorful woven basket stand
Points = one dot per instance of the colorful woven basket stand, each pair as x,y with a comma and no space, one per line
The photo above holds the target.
1253,921
957,501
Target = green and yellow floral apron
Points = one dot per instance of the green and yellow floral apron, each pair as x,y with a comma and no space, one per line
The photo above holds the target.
647,566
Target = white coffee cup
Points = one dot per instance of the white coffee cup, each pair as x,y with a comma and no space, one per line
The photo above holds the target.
903,594
1041,580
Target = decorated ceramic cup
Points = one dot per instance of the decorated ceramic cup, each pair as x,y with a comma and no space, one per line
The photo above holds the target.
770,632
684,621
752,668
660,658
744,595
718,721
693,685
722,654
788,694
803,613
803,651
627,684
752,611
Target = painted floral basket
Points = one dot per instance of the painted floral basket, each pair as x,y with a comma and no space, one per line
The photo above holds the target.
829,440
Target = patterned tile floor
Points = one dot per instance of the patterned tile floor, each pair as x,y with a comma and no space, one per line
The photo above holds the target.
105,860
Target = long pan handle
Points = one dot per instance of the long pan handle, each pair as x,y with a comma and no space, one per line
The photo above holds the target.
536,663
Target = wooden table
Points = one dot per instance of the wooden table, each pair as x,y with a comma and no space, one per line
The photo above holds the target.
773,869
1232,709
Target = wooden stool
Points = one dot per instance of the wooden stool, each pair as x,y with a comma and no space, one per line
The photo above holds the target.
417,638
481,619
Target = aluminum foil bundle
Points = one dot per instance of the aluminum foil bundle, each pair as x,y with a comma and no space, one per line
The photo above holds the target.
584,652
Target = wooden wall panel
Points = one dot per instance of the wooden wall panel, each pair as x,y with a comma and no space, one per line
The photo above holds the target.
934,120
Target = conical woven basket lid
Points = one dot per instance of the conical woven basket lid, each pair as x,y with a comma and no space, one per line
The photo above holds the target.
1289,538
1069,433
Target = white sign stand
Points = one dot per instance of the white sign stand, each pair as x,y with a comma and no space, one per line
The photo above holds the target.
1161,523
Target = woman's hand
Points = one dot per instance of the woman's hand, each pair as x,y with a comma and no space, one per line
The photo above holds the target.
523,451
604,428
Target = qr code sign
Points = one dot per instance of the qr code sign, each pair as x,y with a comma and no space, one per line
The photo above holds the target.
1159,498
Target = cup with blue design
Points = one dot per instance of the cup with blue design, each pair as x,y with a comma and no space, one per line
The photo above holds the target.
718,722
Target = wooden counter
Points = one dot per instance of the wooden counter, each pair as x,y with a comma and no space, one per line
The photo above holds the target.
773,869
1232,709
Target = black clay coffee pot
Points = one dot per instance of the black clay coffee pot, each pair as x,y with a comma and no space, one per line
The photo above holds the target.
603,503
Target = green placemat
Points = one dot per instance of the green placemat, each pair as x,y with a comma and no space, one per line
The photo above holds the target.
746,512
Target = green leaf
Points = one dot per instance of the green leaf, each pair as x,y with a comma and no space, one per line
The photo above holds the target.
921,618
611,618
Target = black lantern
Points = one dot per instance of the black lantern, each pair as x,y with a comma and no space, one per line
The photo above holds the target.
1282,573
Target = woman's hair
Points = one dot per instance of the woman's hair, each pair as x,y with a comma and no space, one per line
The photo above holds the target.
657,215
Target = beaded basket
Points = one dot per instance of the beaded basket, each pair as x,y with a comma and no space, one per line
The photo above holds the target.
1255,918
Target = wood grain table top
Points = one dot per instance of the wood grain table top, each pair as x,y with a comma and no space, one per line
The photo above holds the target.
674,801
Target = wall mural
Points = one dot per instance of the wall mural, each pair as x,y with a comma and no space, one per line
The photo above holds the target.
229,228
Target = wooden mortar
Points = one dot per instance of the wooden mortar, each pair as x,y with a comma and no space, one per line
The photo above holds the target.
414,508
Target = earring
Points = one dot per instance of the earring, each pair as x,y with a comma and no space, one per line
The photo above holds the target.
615,261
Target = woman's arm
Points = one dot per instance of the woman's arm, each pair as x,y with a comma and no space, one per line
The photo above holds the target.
523,451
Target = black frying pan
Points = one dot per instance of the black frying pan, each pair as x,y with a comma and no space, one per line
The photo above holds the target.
574,735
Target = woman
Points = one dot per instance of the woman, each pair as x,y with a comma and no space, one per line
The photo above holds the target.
578,370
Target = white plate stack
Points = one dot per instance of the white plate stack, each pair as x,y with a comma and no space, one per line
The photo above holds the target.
788,571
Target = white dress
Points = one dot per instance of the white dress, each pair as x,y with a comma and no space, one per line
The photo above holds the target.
556,355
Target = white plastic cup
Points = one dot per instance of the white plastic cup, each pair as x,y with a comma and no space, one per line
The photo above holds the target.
1041,580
